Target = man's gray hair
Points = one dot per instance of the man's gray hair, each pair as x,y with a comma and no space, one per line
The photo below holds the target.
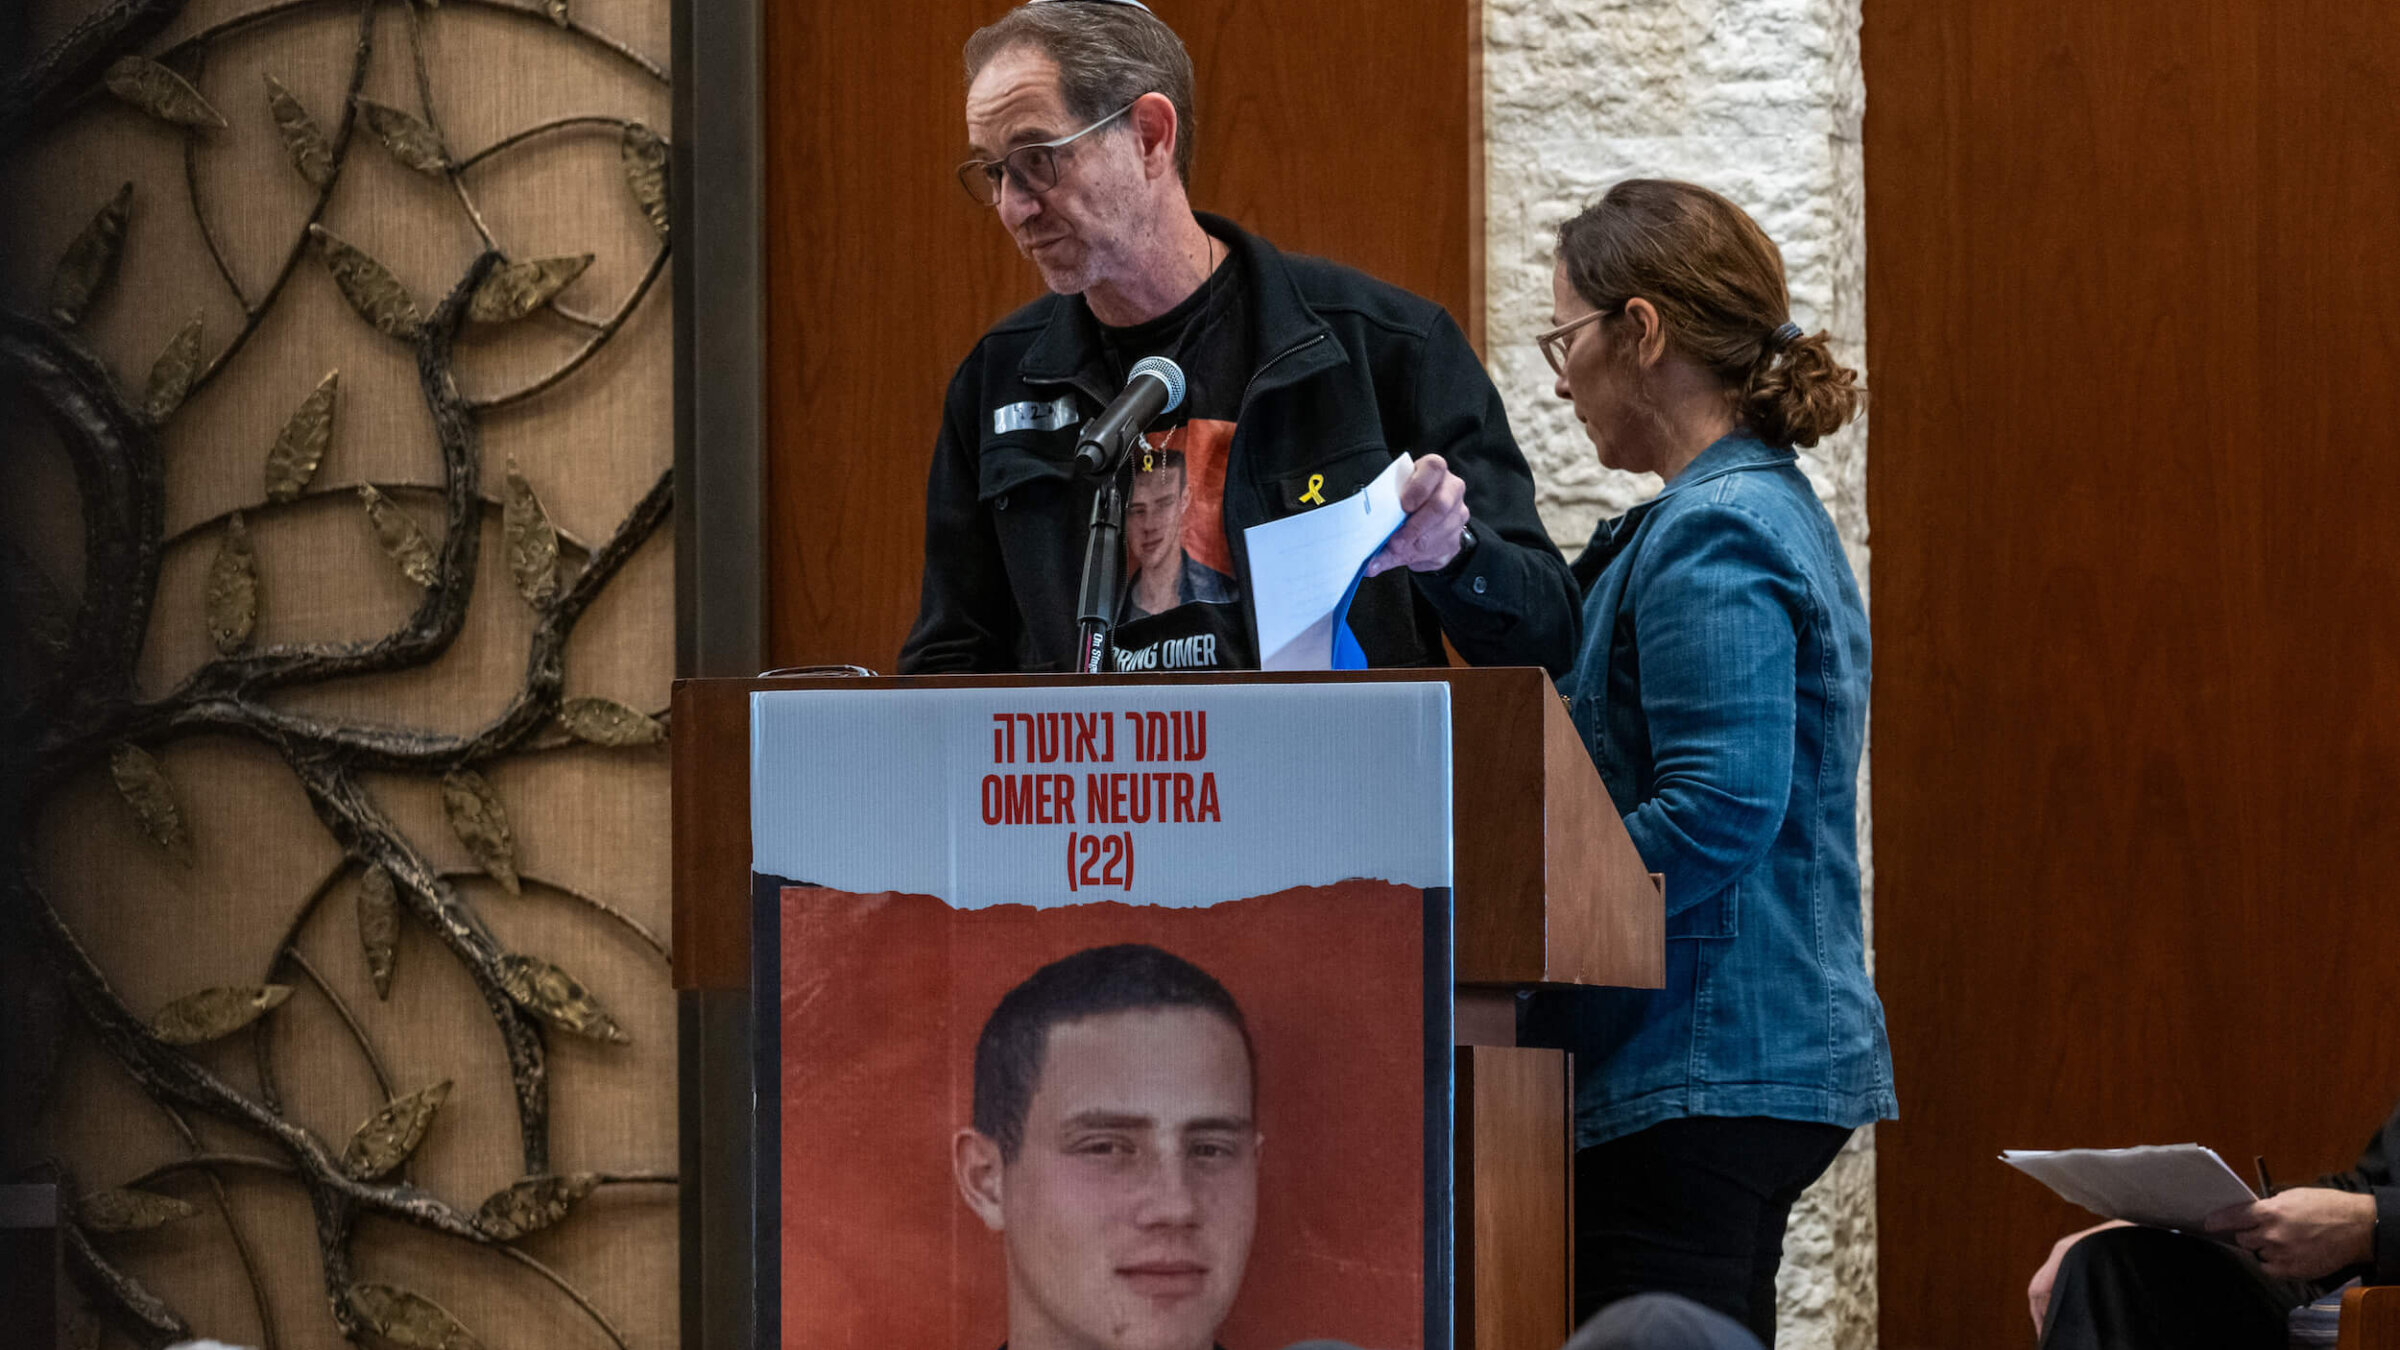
1108,55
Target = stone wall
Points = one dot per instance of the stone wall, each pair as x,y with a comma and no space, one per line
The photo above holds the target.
1761,100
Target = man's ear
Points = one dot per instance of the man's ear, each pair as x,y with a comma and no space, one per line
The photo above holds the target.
975,1159
1156,133
1649,333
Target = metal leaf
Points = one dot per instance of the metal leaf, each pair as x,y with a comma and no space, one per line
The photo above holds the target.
125,1210
140,1315
645,159
532,1205
401,537
311,153
512,292
300,447
370,288
160,92
408,1319
379,927
91,260
233,589
386,1139
171,375
603,721
558,11
143,785
532,540
198,1018
411,141
558,998
481,823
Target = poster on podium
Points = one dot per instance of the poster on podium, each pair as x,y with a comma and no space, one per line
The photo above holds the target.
1105,1014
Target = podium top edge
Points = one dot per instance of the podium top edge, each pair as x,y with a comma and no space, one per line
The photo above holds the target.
1492,675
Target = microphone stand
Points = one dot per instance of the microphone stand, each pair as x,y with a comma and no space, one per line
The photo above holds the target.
1103,564
1113,436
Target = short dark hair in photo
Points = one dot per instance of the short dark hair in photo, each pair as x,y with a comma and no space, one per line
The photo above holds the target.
1108,55
1094,982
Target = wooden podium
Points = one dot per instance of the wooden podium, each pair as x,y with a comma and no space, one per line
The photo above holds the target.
1548,891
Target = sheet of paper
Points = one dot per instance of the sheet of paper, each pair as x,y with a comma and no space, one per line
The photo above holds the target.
1302,568
2161,1186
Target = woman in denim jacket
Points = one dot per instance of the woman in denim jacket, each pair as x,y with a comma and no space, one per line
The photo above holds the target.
1722,691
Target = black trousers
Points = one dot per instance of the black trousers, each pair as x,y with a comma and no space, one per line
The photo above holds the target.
2138,1288
1696,1207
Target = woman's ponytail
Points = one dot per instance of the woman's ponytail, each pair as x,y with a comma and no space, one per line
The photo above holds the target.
1798,394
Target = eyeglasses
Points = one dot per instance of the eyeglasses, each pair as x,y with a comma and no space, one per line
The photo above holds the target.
1554,344
1033,168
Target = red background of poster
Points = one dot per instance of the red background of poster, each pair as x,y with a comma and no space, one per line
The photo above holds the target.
883,996
1206,445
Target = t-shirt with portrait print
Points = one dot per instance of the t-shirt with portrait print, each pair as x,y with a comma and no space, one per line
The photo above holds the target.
1181,607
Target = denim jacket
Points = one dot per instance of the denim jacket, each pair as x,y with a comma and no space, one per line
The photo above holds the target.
1721,689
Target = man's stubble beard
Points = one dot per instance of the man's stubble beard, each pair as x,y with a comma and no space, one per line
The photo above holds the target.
1092,265
1099,252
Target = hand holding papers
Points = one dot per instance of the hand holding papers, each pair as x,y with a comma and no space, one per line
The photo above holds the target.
1305,568
2171,1186
1436,530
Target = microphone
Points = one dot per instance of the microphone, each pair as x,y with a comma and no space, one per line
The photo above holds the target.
1154,388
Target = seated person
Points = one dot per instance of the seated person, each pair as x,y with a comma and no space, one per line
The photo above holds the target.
2121,1286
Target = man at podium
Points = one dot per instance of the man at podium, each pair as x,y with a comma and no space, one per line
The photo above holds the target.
1304,381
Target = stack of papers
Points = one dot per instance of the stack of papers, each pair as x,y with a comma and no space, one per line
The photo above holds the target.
1305,568
2160,1186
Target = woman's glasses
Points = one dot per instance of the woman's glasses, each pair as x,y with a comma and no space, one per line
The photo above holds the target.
1554,344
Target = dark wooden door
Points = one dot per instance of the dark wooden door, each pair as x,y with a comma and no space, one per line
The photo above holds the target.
2134,325
1344,128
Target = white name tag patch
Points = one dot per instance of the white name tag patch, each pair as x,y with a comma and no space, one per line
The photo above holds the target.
1035,416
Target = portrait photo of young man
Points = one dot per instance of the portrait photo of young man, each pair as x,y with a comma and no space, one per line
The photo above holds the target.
1114,1147
1160,570
1106,1127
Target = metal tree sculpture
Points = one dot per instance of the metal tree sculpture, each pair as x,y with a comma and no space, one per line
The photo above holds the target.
81,707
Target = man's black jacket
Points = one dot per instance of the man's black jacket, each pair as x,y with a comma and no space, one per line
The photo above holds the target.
1350,373
2374,1176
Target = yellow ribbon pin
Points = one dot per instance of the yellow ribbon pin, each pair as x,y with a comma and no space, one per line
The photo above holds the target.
1315,493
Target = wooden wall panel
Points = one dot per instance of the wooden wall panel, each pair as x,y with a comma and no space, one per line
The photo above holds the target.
1346,128
2135,315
